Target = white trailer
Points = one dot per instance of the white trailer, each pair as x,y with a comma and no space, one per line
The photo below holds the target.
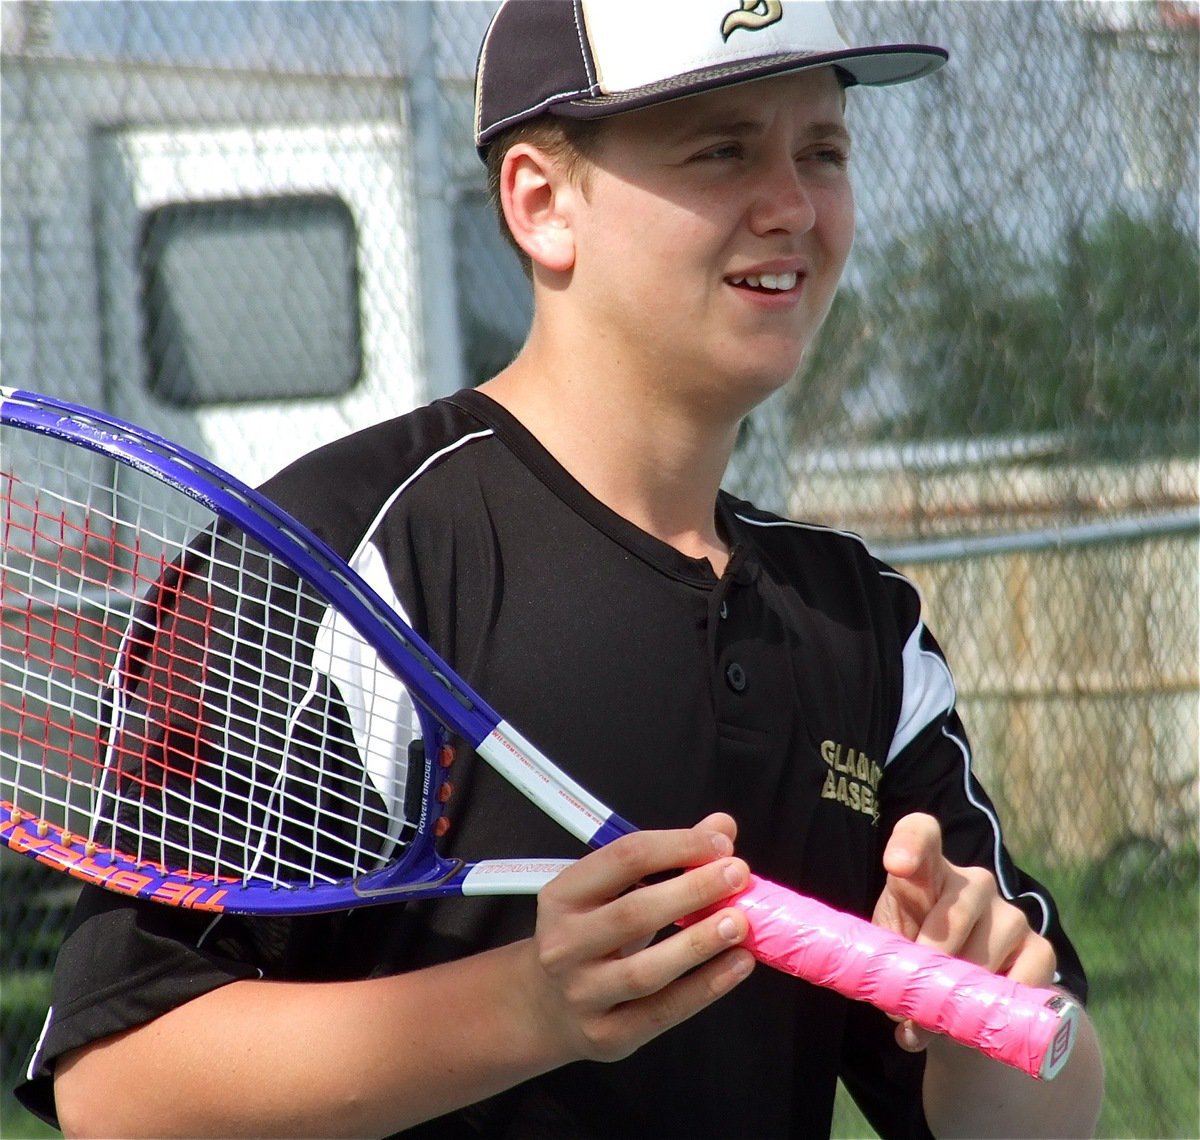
242,253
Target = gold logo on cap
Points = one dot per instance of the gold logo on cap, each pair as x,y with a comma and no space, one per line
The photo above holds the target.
753,15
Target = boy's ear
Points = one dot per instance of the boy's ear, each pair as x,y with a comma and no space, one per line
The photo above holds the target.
535,195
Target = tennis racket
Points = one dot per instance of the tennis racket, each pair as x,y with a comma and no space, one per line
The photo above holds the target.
201,704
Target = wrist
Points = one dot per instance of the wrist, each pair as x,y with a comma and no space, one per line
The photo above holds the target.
530,1026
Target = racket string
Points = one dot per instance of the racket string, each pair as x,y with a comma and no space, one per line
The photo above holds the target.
167,698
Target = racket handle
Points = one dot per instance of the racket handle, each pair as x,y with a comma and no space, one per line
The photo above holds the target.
1032,1029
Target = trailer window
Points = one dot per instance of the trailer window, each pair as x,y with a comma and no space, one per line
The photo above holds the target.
495,304
250,300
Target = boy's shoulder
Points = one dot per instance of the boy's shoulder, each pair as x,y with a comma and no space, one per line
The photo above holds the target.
832,568
783,535
343,484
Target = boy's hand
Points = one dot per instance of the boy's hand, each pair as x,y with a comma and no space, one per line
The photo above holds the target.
957,909
602,983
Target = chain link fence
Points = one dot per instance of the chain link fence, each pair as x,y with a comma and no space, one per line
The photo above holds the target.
1004,400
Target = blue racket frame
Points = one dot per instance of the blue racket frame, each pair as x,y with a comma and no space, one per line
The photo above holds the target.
442,700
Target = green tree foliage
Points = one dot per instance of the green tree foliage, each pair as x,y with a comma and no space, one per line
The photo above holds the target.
839,364
1098,340
1130,291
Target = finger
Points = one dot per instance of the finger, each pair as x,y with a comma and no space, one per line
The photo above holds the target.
968,920
635,916
916,875
626,862
674,957
628,1025
683,897
617,1003
574,927
911,1037
720,821
914,849
973,921
981,926
698,988
1034,963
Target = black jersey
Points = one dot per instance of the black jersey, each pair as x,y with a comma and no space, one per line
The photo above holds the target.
800,692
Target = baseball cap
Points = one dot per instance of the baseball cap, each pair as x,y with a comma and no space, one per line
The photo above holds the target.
588,59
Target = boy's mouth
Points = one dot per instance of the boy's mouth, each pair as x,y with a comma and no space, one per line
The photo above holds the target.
766,282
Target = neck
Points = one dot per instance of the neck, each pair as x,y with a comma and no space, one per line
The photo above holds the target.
657,464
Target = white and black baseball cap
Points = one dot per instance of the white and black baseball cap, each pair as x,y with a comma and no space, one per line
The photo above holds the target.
587,59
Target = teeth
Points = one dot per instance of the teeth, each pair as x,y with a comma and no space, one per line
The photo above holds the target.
773,281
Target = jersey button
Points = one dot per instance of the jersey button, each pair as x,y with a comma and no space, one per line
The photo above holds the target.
735,677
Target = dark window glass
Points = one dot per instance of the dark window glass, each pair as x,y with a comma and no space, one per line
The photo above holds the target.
250,300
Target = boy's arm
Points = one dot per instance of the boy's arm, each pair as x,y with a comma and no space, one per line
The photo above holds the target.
966,1094
259,1058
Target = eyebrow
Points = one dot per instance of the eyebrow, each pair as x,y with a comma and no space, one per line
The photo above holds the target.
748,128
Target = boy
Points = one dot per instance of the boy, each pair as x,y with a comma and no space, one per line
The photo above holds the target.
676,177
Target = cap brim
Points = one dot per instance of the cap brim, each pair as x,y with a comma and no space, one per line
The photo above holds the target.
869,67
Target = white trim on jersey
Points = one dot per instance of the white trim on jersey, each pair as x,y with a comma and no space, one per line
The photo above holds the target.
928,690
382,715
1006,888
436,457
35,1058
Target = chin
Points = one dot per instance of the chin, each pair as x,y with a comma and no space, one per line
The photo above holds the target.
767,377
746,391
736,385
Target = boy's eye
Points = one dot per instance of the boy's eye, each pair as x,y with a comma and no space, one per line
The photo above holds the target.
722,150
832,156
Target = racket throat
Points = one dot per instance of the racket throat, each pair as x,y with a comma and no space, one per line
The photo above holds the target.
487,877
